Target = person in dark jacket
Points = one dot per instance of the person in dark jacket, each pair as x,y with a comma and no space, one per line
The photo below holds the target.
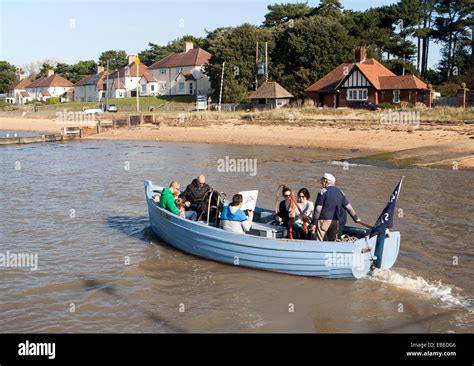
195,193
283,214
329,203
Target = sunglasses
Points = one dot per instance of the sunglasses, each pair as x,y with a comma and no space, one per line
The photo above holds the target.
302,196
287,195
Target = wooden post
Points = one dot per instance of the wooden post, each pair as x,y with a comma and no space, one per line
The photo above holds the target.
462,94
141,119
128,120
430,97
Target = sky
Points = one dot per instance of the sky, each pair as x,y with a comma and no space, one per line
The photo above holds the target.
73,30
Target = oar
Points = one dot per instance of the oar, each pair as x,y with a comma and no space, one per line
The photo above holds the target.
365,224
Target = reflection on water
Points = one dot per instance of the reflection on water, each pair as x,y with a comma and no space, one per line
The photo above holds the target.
80,206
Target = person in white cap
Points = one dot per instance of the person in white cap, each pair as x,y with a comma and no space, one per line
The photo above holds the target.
330,200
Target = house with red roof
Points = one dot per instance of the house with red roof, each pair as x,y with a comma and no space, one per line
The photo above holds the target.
366,80
123,82
182,73
148,85
17,92
52,85
91,88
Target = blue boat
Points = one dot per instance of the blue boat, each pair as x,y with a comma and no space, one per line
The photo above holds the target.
265,247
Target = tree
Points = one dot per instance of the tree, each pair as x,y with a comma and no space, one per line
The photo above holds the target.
45,67
235,47
451,28
308,51
76,72
367,28
282,13
117,59
156,52
329,8
7,75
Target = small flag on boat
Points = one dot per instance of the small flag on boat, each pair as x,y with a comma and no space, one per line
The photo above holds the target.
385,220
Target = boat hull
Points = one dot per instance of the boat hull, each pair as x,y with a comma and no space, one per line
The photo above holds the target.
297,257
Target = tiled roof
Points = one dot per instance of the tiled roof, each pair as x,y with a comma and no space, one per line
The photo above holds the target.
49,81
270,90
93,79
402,82
25,94
330,81
149,77
118,85
129,70
20,84
377,74
45,93
194,57
372,70
187,76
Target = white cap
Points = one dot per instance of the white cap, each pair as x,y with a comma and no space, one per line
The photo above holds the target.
329,177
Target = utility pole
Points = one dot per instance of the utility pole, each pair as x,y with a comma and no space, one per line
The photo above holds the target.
222,83
266,61
256,67
107,87
137,64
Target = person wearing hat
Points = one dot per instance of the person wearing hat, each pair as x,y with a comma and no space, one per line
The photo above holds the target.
330,200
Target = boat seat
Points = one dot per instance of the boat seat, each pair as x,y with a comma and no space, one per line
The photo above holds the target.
268,230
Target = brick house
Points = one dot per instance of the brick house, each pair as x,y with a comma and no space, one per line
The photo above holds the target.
366,80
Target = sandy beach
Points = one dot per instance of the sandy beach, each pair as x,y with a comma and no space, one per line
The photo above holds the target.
438,145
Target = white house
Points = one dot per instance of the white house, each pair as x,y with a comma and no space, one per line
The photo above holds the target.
123,82
91,88
49,86
183,73
17,92
148,85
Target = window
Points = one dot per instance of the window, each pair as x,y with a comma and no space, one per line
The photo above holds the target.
181,87
178,70
152,88
144,88
163,86
357,94
163,71
409,96
396,96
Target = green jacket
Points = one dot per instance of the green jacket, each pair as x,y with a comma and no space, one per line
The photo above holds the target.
167,201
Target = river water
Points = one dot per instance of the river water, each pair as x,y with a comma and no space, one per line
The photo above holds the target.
80,207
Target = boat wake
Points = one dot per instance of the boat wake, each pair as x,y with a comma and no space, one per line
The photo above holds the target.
447,294
346,164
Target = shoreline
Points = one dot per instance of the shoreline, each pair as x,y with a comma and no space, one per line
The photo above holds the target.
429,145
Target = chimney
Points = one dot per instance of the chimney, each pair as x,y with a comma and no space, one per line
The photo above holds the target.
100,69
360,54
188,45
21,76
50,72
131,58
